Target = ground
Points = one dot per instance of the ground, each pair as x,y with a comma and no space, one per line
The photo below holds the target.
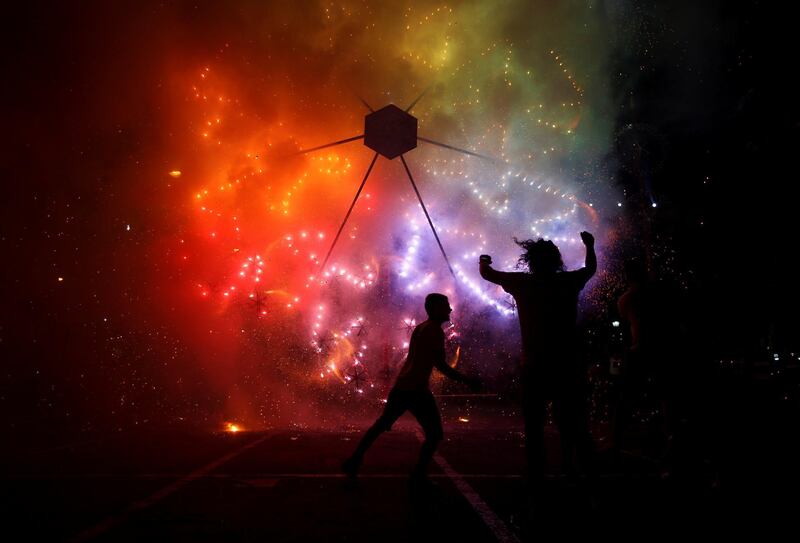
285,484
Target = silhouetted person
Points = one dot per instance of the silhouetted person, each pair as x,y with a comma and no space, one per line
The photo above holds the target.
547,305
411,393
652,325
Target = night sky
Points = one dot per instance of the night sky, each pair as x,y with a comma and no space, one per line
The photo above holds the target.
162,238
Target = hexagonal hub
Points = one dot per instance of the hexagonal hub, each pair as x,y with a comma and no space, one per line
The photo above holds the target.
390,131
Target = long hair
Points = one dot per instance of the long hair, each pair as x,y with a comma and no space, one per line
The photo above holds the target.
540,256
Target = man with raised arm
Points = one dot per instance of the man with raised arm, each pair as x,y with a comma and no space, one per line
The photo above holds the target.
547,304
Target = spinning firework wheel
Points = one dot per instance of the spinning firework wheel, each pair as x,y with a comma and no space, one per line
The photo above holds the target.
390,132
323,343
259,302
357,376
408,326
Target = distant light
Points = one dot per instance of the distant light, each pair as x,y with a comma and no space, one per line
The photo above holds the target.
655,204
615,324
60,279
619,204
175,173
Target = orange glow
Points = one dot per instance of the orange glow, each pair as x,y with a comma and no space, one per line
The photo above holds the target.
456,357
233,428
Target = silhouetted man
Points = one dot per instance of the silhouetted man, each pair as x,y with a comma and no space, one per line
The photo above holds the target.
411,392
649,309
547,305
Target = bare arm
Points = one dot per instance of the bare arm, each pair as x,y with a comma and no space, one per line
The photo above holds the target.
491,274
590,266
591,256
441,364
452,373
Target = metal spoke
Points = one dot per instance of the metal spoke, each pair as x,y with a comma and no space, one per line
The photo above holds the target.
414,103
354,138
426,140
344,222
430,222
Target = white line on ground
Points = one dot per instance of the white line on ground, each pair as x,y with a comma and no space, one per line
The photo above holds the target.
115,520
489,517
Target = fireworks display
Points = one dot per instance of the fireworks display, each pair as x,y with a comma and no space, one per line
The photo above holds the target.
220,221
219,227
263,217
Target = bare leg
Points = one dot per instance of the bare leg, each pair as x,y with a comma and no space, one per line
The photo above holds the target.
427,414
396,405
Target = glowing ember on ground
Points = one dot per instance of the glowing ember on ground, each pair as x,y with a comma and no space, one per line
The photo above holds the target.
233,427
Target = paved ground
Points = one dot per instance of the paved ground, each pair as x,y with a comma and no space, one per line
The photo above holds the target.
285,485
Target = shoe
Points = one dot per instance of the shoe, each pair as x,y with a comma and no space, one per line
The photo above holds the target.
350,467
